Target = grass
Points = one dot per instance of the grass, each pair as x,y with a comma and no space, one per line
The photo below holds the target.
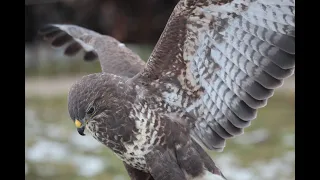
277,118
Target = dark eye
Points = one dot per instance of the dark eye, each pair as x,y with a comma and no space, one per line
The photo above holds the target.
90,111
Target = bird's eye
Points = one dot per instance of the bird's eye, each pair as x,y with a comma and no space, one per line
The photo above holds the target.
90,111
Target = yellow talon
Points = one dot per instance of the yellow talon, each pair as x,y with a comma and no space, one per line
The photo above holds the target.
77,123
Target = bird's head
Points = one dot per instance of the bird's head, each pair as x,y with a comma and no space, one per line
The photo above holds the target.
88,98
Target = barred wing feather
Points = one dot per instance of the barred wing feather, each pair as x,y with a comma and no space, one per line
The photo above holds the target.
220,61
114,56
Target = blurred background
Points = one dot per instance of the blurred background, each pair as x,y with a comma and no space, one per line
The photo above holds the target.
54,150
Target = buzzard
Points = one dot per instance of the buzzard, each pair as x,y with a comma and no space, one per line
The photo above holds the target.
216,63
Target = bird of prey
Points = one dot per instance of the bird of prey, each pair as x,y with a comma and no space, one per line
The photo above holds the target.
216,63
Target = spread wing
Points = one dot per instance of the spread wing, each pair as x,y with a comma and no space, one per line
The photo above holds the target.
220,61
114,57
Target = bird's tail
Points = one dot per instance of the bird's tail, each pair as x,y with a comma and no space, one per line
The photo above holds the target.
213,170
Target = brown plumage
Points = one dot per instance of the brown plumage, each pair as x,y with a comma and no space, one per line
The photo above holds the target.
215,64
114,57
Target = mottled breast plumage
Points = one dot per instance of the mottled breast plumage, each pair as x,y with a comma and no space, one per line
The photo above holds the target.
126,123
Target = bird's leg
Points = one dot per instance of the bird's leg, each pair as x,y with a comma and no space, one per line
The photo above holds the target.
162,165
136,174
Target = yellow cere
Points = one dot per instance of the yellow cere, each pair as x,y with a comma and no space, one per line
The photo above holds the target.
77,123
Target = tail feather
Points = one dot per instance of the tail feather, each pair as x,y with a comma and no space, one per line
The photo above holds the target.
213,172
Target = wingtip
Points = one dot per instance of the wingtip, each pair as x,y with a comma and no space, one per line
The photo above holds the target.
48,32
46,28
61,40
72,49
90,56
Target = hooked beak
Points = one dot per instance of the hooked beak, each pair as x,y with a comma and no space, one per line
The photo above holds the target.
80,127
